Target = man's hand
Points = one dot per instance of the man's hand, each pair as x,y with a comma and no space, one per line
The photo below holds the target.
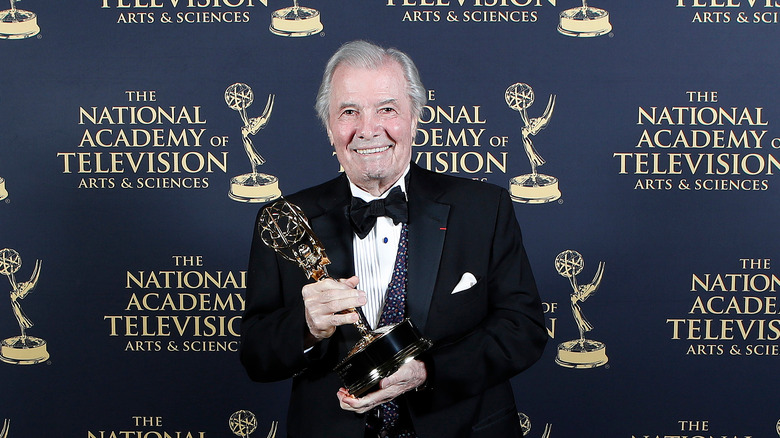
324,301
409,376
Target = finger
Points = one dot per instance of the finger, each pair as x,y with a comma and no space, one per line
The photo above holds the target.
346,304
397,378
343,395
324,285
373,399
353,400
335,300
355,405
330,303
337,319
340,307
326,321
330,292
410,375
348,402
352,281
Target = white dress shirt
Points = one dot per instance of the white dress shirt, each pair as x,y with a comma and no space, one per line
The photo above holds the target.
375,255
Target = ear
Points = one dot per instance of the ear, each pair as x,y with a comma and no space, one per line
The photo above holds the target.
330,136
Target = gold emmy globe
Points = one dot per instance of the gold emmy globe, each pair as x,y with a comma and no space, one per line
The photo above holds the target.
379,353
242,423
579,353
584,22
255,186
296,21
18,24
533,188
525,425
24,349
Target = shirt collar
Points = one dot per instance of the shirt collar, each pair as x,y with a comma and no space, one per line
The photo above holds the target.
368,197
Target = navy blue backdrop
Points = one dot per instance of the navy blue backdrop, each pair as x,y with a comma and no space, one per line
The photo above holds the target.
662,140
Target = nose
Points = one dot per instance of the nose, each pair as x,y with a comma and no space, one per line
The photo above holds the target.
369,126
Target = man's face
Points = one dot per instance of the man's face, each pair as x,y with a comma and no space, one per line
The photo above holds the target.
371,124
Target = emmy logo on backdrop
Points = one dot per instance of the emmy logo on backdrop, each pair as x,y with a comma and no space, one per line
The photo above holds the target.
16,24
579,353
243,423
3,191
284,228
533,188
296,21
251,187
24,349
525,425
6,428
584,22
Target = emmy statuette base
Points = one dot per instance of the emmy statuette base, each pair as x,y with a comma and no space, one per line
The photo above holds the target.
27,351
584,22
534,189
581,354
295,22
374,359
23,25
257,187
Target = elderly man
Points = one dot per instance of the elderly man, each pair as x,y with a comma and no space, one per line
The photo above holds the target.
451,260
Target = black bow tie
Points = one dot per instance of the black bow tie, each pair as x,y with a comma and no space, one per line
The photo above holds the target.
363,214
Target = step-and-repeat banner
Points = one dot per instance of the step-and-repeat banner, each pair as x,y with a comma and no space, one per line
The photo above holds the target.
638,140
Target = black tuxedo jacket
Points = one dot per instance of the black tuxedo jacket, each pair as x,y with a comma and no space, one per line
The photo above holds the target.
482,336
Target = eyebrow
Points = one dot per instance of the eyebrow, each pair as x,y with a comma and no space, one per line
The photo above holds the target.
347,104
387,101
391,100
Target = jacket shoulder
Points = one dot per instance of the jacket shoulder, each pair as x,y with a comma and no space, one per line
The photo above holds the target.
458,187
316,199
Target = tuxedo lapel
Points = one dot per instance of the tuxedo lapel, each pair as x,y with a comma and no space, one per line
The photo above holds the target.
427,229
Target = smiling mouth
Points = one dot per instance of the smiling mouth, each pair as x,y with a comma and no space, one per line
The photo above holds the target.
375,150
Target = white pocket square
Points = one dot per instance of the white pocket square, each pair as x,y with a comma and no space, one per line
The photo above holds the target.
466,281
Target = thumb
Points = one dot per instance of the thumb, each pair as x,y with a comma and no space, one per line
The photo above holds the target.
351,281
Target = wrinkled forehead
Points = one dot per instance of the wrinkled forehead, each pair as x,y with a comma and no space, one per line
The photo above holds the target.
360,85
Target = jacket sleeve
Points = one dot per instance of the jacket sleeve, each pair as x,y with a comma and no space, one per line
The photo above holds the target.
273,325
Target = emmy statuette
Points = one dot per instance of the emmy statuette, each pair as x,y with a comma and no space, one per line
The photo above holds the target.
584,22
379,353
16,24
533,188
24,349
296,21
579,353
255,186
